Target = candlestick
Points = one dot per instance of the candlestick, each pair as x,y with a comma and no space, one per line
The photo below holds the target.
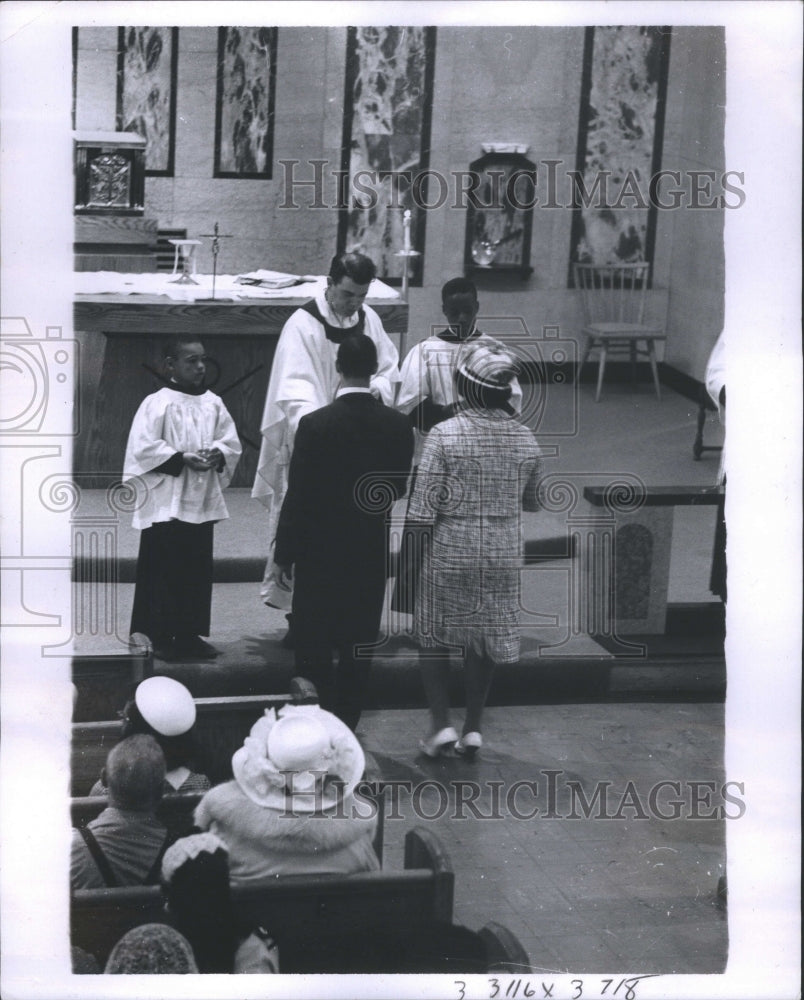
216,237
406,230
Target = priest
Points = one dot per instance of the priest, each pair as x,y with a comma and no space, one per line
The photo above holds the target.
304,378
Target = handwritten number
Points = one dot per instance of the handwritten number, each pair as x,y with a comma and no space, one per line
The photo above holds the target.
578,984
462,987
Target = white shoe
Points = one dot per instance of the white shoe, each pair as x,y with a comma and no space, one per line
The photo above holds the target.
439,742
468,745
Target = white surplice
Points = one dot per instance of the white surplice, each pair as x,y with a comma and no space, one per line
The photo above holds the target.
303,379
170,421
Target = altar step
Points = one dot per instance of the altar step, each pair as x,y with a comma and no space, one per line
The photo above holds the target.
241,541
684,664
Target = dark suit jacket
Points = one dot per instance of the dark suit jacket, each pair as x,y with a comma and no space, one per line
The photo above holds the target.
350,462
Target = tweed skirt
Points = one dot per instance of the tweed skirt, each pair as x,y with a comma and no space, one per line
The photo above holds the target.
469,587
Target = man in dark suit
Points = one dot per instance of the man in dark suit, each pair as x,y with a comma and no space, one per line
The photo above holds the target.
350,463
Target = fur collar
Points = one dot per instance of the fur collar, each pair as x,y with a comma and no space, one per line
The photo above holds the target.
237,818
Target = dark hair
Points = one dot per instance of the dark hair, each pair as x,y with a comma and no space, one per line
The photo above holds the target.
458,286
135,772
200,907
357,266
357,356
179,751
174,344
481,397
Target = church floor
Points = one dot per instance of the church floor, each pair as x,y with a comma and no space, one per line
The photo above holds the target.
588,883
632,892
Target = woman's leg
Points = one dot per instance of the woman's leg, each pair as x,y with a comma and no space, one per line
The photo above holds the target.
478,674
434,666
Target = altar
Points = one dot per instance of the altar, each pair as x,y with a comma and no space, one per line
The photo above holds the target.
121,320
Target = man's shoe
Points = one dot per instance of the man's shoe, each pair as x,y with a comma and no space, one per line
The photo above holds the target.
165,649
194,646
468,745
438,743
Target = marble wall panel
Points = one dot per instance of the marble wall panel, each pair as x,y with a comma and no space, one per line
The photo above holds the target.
146,95
245,102
620,137
386,138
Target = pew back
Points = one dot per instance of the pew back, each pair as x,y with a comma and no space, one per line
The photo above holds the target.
221,726
317,921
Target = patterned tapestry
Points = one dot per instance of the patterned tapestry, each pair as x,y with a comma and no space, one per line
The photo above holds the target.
244,110
386,142
146,92
620,142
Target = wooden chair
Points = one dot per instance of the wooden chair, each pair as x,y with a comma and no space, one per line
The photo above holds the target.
613,298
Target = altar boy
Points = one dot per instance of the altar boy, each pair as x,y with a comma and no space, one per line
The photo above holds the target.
182,449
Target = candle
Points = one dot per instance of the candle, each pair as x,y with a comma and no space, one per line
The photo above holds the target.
406,229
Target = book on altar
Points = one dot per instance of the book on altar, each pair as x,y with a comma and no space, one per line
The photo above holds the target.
273,279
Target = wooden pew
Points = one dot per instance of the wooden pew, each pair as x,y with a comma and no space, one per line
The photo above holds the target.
105,680
306,914
221,726
175,811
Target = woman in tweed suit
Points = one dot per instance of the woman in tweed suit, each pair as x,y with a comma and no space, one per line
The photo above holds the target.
479,469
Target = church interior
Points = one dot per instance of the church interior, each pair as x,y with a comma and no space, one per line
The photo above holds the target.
213,165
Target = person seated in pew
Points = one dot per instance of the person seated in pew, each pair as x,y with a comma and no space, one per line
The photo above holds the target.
296,767
151,950
164,708
125,844
195,882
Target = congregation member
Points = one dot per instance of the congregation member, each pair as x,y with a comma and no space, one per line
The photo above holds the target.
291,807
350,462
304,378
124,845
163,708
427,395
480,468
182,451
195,882
151,950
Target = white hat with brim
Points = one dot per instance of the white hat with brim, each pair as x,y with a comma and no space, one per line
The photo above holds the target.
301,759
166,705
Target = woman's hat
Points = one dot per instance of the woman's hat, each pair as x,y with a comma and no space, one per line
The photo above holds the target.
165,705
488,365
302,758
151,949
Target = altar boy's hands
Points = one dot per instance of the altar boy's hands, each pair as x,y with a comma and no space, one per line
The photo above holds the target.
214,456
197,461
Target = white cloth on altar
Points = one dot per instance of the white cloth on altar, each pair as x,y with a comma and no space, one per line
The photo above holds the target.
170,421
303,379
227,286
428,372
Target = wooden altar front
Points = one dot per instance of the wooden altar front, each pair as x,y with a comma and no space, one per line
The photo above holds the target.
120,341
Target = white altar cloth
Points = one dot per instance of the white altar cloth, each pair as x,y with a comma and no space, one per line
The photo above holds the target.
226,286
